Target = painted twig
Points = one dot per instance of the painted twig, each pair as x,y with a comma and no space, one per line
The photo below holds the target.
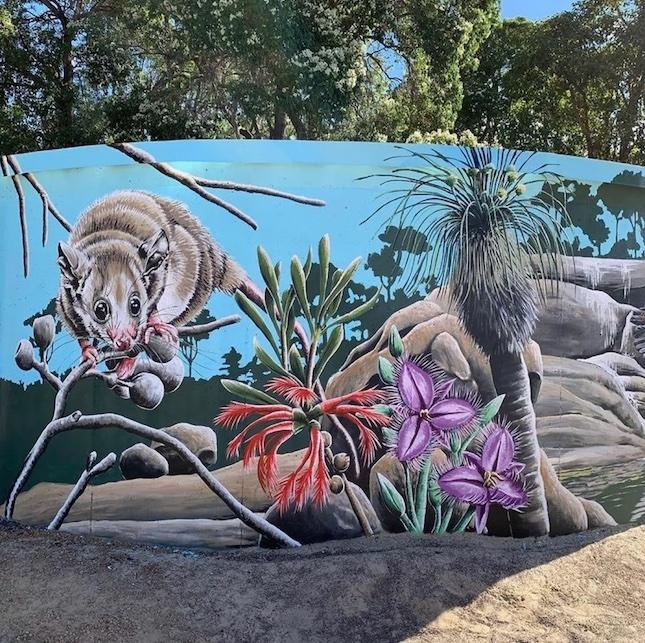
106,420
198,184
89,472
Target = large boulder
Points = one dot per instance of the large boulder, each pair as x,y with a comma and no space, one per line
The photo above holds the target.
585,416
597,517
567,514
200,440
335,520
622,279
165,498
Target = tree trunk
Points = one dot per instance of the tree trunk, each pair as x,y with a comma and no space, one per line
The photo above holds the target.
511,378
279,124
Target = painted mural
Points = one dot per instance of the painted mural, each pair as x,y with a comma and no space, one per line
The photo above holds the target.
220,344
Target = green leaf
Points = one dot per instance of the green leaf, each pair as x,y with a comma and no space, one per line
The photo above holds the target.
267,360
359,311
307,267
491,410
248,393
277,268
329,350
343,280
391,497
300,285
268,272
296,364
249,309
323,260
395,343
386,371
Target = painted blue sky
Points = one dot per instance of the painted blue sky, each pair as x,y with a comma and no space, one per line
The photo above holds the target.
534,10
75,178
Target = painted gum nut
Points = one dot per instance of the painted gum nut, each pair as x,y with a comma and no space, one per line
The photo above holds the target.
146,391
159,349
341,462
336,484
44,329
326,436
24,355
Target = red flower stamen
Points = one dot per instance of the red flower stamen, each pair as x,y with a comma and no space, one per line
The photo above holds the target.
234,412
368,397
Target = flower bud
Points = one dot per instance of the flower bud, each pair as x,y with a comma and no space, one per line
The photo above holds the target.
395,343
502,193
336,484
160,350
520,188
146,391
44,329
24,355
326,436
452,180
341,462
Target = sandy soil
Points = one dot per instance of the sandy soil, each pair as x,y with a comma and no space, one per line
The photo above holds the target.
63,587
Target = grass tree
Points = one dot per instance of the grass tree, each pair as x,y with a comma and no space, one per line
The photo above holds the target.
485,212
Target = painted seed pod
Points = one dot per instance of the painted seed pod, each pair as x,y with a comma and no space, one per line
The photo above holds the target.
44,329
146,391
24,355
336,484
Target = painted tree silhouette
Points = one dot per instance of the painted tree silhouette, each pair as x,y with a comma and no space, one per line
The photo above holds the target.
188,344
585,212
623,198
388,264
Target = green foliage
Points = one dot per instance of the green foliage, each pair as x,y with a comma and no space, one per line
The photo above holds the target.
297,355
573,83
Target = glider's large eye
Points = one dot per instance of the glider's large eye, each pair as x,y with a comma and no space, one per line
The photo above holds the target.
135,305
102,310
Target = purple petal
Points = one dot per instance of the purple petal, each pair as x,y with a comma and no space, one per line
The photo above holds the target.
416,387
509,494
472,459
497,454
413,439
451,413
464,483
441,390
481,518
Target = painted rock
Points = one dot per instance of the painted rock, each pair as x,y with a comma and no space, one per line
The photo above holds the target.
201,441
140,461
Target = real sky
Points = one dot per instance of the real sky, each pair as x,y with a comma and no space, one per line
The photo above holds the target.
534,9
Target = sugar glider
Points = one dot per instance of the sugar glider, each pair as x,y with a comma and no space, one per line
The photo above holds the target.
138,264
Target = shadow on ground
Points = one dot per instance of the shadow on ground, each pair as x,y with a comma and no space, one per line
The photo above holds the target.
387,588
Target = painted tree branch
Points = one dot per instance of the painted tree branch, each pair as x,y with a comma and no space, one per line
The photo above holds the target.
106,420
89,472
198,329
198,184
11,168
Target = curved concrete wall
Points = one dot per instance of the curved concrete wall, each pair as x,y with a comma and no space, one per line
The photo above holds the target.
151,262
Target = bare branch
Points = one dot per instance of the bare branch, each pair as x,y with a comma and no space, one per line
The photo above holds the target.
24,234
106,420
196,183
198,329
77,490
182,177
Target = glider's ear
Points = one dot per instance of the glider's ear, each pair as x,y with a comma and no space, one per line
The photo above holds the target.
154,251
74,265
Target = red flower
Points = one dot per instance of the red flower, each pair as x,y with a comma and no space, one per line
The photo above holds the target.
292,390
277,423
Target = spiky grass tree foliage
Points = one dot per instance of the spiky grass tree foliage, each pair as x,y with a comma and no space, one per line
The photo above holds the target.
485,213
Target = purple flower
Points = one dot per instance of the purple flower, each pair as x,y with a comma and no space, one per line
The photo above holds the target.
489,479
426,409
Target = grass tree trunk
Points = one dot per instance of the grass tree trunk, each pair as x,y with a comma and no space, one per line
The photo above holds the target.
511,378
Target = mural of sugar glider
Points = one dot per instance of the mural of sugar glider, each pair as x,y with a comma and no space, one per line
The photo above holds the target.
137,264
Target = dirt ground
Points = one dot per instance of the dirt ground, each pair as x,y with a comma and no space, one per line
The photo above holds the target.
588,587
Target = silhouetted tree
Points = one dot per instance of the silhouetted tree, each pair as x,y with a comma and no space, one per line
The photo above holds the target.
188,344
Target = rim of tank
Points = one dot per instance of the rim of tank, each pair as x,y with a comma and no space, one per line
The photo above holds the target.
298,152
